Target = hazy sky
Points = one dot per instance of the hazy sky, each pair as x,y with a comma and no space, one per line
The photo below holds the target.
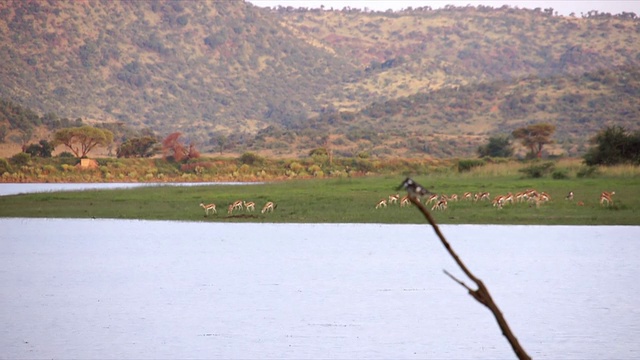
562,7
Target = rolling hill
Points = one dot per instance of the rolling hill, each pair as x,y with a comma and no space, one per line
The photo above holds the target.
418,82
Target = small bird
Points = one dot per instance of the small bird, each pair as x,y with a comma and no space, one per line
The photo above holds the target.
413,188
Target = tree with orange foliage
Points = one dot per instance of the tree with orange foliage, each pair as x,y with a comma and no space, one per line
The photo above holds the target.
172,148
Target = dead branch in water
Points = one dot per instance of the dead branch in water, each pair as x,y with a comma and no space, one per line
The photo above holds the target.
482,293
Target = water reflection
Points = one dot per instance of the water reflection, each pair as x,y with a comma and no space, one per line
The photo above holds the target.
160,289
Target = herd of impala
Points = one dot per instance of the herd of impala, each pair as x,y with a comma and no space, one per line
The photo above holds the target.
530,196
239,205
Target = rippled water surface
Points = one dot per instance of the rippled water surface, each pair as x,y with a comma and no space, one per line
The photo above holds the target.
96,289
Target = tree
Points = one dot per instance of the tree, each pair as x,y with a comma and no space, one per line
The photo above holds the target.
535,137
145,146
25,136
614,145
3,133
172,148
498,146
42,149
81,140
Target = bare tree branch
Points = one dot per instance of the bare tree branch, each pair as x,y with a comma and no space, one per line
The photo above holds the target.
482,293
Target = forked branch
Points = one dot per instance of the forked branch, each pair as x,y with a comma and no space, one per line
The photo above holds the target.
482,293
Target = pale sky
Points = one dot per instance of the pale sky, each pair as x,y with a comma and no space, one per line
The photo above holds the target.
562,7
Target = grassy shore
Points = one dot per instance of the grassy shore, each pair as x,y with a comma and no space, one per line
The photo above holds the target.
348,200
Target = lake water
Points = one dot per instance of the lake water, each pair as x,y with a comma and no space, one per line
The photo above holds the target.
96,289
25,188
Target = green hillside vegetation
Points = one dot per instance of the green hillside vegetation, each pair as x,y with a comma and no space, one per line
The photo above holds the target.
234,77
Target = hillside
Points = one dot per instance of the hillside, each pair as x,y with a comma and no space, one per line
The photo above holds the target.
284,81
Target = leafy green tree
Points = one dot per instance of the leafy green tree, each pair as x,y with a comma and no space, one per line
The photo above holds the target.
535,137
81,140
42,149
141,147
614,145
497,146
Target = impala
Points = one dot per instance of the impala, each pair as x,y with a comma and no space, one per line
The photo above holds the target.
381,203
268,207
607,197
209,207
237,205
250,206
432,198
404,201
440,205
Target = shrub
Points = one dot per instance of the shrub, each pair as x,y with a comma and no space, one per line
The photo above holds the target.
20,159
587,172
560,174
250,158
4,166
538,170
468,164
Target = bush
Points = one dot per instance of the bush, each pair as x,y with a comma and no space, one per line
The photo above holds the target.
468,164
250,158
587,172
560,174
4,166
538,170
20,159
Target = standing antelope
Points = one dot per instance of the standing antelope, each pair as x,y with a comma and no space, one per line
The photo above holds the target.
393,199
381,203
607,197
570,196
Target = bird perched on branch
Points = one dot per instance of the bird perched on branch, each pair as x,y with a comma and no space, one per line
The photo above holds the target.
413,188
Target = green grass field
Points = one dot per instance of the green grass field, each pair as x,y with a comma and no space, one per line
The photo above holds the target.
347,200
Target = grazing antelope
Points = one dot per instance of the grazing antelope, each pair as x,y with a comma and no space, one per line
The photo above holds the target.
432,198
570,196
381,203
580,203
209,207
268,207
250,206
404,201
467,196
481,196
440,205
498,201
393,199
237,205
453,197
